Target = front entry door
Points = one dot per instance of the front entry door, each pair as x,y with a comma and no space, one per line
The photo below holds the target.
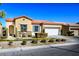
11,30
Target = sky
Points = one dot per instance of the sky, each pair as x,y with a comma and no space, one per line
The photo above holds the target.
54,12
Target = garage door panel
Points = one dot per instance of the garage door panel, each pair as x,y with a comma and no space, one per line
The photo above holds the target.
51,31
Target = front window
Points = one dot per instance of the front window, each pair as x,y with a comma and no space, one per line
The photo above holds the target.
23,28
36,28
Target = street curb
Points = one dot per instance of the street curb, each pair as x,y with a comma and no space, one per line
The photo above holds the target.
22,48
55,45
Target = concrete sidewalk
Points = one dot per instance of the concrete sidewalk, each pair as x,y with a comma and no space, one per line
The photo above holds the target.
63,37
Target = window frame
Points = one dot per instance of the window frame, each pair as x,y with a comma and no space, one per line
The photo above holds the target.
34,28
22,29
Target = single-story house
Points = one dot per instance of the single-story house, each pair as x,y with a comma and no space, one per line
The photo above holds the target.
25,26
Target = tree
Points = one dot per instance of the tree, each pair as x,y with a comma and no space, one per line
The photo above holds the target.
4,28
2,14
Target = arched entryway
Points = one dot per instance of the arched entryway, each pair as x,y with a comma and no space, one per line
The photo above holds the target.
11,30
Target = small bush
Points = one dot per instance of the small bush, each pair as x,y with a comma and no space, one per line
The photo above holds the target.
23,42
43,41
57,40
29,35
51,41
14,35
63,40
34,41
10,43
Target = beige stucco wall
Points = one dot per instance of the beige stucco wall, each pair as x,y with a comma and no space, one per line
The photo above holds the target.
20,21
17,24
60,26
7,26
0,30
76,32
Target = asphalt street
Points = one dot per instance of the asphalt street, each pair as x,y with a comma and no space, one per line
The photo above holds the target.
69,50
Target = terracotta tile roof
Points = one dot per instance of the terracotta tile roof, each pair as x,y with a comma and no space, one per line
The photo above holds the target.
38,21
57,23
42,21
47,22
73,24
22,17
9,20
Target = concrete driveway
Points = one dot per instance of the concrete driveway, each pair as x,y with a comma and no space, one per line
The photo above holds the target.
68,38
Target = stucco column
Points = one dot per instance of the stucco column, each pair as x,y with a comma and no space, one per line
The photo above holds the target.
42,28
60,31
14,30
8,32
0,30
7,26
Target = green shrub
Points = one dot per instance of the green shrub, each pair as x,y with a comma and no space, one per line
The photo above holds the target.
57,40
63,40
34,41
43,41
41,35
10,42
29,35
51,40
23,42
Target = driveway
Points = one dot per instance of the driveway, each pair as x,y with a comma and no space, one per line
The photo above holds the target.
68,38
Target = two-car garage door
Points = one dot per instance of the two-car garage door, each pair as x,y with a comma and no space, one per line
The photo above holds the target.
52,31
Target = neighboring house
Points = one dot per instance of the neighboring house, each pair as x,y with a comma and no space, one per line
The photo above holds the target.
74,28
0,29
25,27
